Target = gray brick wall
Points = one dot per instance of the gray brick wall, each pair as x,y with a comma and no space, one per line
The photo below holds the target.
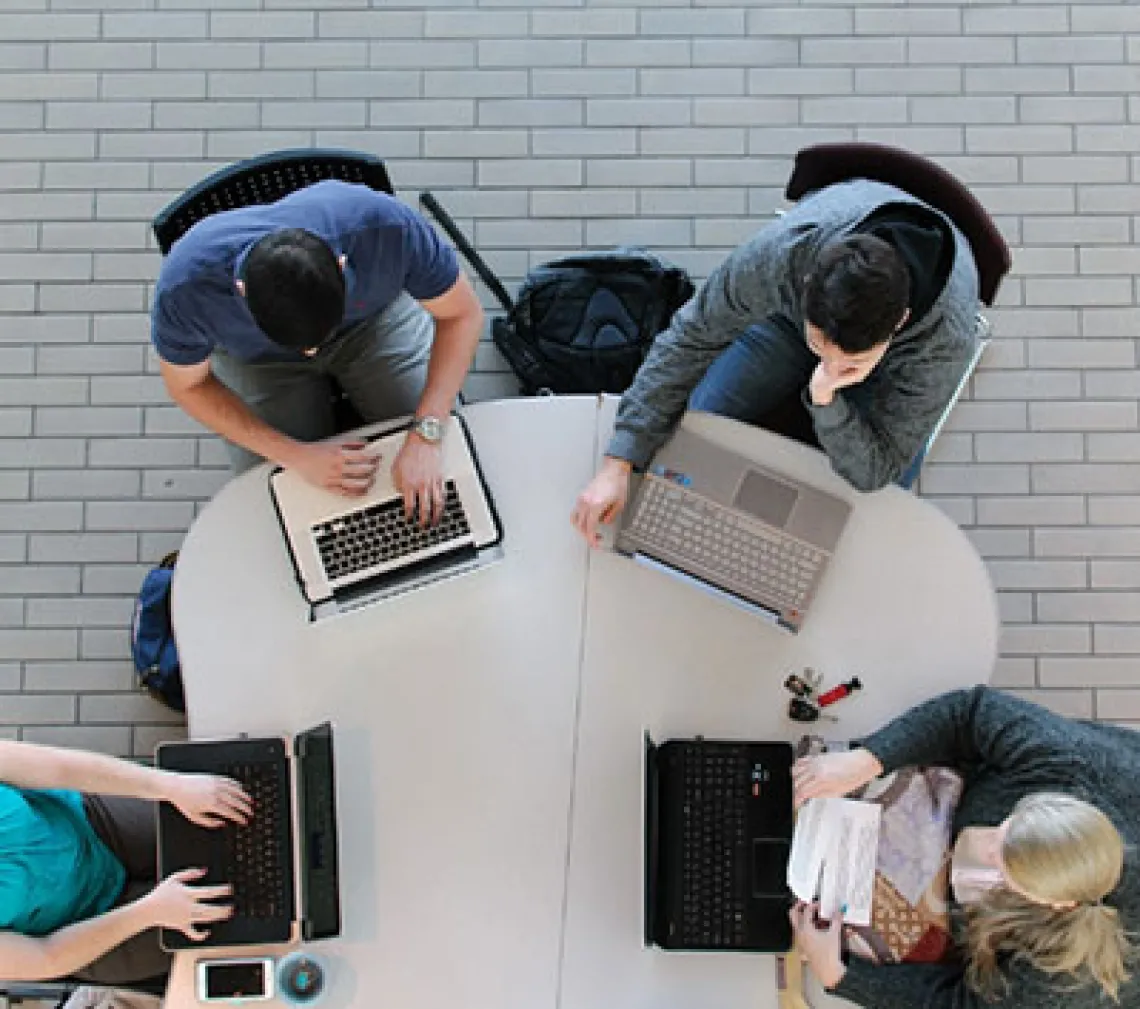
546,127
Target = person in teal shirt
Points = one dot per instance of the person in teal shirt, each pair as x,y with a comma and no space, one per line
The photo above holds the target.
79,895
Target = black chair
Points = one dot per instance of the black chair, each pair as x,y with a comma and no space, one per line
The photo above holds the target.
57,992
264,179
823,165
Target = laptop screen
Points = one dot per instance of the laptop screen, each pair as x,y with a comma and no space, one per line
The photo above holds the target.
320,881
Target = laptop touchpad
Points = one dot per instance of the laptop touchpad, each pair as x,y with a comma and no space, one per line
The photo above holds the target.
770,500
770,867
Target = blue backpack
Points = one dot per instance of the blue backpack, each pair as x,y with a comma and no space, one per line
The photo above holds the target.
152,638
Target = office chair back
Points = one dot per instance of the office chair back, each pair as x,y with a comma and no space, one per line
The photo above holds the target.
264,179
826,164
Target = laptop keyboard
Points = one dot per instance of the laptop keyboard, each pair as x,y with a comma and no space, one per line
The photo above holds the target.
713,845
728,549
253,855
382,533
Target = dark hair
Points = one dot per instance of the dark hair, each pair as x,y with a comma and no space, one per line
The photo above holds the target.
294,288
857,292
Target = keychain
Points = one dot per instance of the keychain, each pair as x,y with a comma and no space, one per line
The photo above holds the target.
839,692
806,704
801,710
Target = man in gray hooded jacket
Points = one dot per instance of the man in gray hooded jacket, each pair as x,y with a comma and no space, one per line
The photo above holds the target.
861,301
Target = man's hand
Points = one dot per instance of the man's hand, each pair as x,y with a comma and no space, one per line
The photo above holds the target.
820,947
176,904
603,499
417,473
343,467
827,381
209,800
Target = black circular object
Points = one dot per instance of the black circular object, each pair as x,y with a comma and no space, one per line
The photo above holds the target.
802,711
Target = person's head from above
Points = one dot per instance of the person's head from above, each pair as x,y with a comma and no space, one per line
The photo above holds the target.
855,299
1060,857
294,286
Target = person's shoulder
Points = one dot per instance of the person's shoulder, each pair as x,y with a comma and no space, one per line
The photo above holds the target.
351,195
847,202
203,248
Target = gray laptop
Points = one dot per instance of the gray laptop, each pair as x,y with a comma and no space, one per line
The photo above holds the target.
711,516
348,552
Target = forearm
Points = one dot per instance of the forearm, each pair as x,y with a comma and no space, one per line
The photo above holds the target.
743,290
452,353
654,403
71,948
30,766
904,986
210,403
866,456
956,729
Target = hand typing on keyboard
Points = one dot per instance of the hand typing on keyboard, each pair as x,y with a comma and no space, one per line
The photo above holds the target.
347,468
174,903
207,799
417,472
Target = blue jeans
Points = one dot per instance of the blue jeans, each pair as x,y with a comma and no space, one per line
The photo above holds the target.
759,379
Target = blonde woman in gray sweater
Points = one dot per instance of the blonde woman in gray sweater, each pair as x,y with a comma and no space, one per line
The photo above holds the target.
1045,875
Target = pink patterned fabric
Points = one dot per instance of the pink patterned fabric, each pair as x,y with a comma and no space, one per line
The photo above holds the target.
910,910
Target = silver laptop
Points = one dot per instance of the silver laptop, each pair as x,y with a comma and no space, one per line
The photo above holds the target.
349,552
709,515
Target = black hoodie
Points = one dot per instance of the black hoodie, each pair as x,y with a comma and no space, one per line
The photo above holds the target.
926,244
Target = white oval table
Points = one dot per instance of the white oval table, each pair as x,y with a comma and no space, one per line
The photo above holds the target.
489,728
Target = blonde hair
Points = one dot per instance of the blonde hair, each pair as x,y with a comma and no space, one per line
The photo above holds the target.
1064,855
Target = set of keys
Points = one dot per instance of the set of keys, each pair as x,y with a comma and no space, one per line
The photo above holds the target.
807,703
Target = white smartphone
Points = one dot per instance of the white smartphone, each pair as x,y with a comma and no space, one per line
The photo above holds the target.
235,981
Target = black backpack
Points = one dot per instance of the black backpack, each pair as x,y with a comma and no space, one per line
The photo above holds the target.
584,324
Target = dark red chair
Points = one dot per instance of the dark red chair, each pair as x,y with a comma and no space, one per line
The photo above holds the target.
826,164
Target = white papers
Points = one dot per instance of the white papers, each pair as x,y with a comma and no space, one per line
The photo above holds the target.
833,856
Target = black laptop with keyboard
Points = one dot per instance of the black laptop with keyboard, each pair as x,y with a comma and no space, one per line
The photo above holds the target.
718,832
290,839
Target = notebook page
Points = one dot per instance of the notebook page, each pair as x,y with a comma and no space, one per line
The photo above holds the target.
849,863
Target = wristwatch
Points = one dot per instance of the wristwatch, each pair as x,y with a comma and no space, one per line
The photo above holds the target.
429,428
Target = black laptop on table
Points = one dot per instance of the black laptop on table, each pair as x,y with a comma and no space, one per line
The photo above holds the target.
718,833
290,839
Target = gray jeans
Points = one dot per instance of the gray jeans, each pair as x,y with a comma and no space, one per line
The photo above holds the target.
129,828
380,364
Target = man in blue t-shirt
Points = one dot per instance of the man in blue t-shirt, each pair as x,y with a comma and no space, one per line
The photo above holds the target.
259,309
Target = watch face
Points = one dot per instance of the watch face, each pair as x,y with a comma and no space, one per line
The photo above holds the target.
430,428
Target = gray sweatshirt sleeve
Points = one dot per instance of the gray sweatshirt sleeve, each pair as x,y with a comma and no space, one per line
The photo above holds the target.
939,986
971,729
872,449
750,285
